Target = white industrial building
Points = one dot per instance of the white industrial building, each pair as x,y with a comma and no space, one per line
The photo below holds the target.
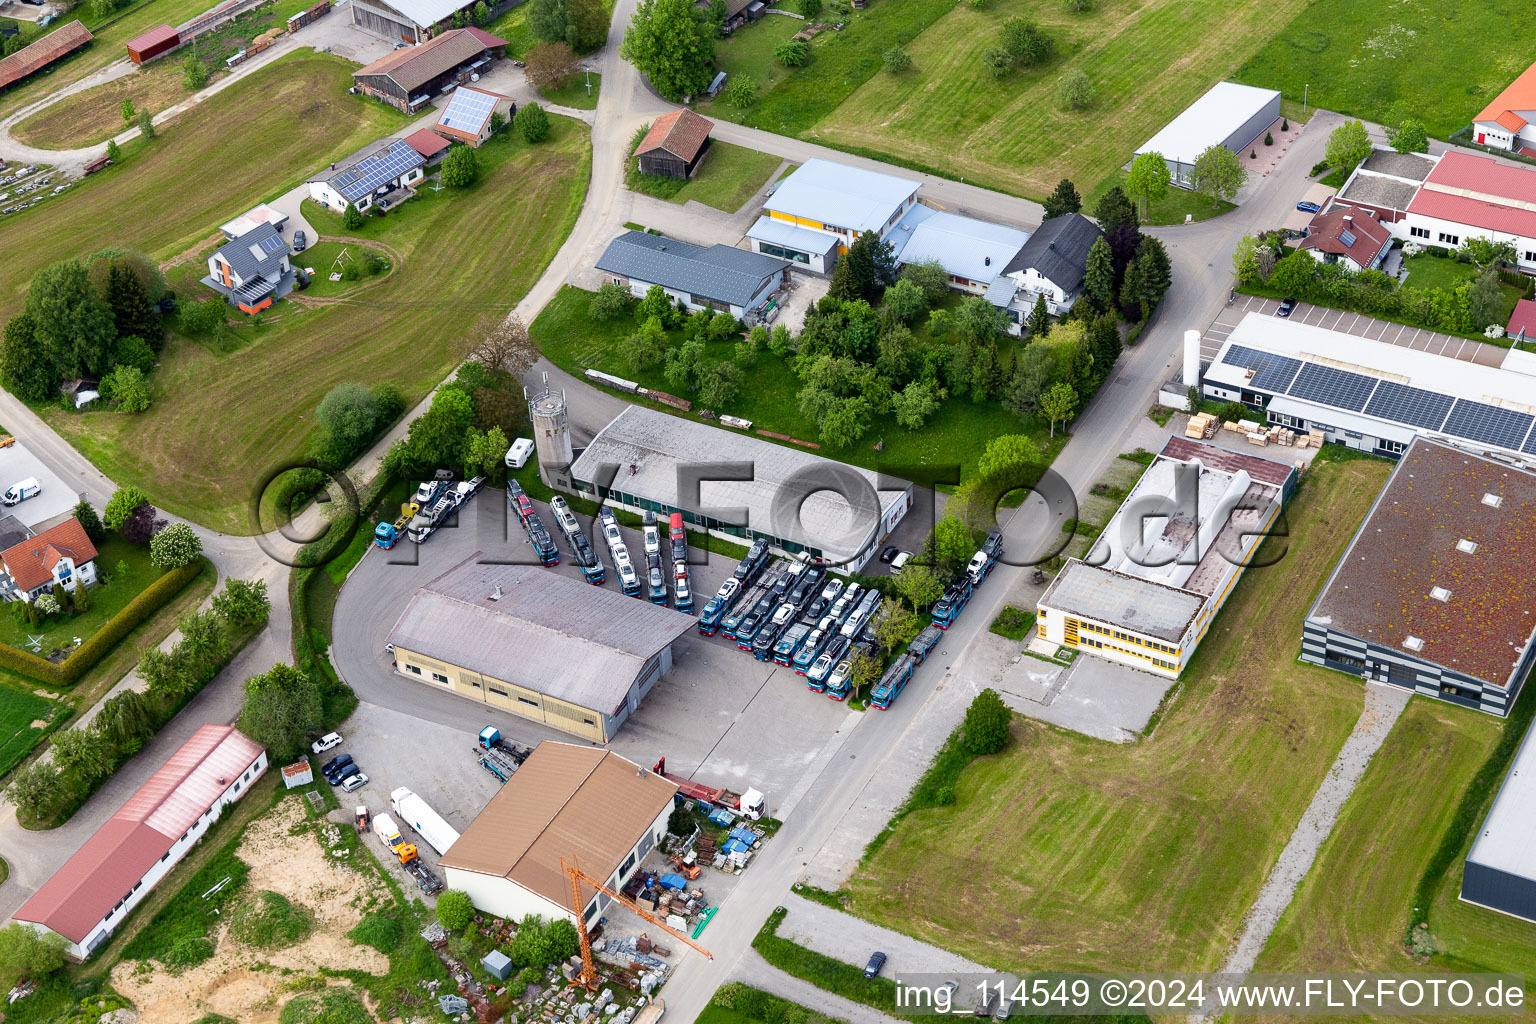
822,207
584,805
94,891
739,487
1500,869
1372,395
1152,583
1231,115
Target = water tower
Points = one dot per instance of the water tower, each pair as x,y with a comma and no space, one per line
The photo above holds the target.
552,436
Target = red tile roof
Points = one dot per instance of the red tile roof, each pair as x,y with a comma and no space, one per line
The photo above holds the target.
106,868
1479,191
1381,591
31,562
426,142
1517,95
1522,319
153,37
489,41
1325,234
38,55
681,133
1511,120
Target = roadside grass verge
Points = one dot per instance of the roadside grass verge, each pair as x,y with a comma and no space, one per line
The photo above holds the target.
198,450
1217,790
736,1003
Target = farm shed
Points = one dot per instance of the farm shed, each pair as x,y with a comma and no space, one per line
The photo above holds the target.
675,144
1231,115
410,78
157,41
35,56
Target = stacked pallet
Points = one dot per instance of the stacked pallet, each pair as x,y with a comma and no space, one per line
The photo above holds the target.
1201,425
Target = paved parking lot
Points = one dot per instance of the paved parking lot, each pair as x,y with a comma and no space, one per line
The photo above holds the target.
1357,324
719,715
17,463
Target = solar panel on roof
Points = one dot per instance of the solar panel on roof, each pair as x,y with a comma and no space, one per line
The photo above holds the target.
1338,388
272,243
467,111
1403,404
373,171
1271,372
1348,238
1490,424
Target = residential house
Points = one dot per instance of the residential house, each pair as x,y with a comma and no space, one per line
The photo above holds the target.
467,117
720,277
1052,263
1505,123
380,174
252,271
675,144
62,555
409,78
972,252
819,209
1342,234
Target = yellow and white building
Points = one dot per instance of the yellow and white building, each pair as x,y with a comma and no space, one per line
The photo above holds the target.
818,211
1165,564
536,644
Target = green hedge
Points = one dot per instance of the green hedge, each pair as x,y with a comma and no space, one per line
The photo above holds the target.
65,673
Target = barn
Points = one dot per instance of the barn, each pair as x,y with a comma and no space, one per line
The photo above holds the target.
410,78
152,44
35,56
1230,115
675,144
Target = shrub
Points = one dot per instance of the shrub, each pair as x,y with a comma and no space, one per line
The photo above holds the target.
188,952
792,53
380,931
986,723
809,8
531,122
174,547
269,920
612,300
896,60
1269,140
328,1006
742,92
454,910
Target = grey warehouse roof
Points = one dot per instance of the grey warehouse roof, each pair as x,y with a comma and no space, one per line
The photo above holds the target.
547,632
659,446
721,272
1507,841
1058,250
1155,609
256,253
977,250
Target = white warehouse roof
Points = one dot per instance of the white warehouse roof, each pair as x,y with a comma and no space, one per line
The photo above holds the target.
1208,121
977,250
841,196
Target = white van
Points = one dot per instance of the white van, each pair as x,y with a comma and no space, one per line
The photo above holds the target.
517,455
19,492
900,562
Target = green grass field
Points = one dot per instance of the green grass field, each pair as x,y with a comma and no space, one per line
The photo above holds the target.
207,439
326,258
94,115
20,711
513,27
1148,59
958,432
1065,853
1367,58
728,177
1350,912
574,93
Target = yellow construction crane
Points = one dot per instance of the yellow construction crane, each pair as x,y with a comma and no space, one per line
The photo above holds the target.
588,978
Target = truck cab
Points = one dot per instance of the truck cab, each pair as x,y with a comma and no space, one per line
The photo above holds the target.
811,647
657,583
715,607
543,544
830,657
629,580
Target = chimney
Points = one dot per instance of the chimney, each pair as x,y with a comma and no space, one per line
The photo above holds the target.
496,596
1348,219
987,260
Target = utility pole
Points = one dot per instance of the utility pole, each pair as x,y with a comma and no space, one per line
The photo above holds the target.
1304,89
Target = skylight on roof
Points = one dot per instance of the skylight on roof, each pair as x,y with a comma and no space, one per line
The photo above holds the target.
1348,238
1465,546
1414,643
1493,500
1440,594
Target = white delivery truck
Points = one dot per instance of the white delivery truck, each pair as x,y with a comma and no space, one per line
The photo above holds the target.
21,491
428,824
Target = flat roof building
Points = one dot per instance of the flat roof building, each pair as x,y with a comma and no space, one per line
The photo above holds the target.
1435,592
94,891
720,277
537,644
1149,588
1229,115
1371,395
799,502
1500,870
974,253
583,804
824,206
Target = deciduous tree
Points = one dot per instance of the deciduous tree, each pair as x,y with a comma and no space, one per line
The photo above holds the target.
281,707
1007,456
505,345
242,603
720,384
1348,145
920,585
461,167
1147,181
194,72
1026,42
351,217
455,910
671,46
792,53
895,60
913,404
1409,136
71,320
126,388
986,725
146,124
1059,404
79,753
1245,260
1218,174
176,546
550,65
34,954
997,60
124,501
1076,90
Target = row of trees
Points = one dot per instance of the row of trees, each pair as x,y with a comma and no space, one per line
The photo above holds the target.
92,317
1218,174
85,756
1467,308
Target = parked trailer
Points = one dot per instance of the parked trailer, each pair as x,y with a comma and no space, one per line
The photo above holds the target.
829,658
518,503
716,607
924,644
420,816
750,804
543,544
752,563
629,580
948,608
861,615
741,608
810,649
655,579
984,560
893,682
682,586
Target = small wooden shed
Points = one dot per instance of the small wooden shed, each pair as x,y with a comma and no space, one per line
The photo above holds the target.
675,144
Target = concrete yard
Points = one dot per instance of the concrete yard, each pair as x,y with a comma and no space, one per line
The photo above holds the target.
719,715
17,463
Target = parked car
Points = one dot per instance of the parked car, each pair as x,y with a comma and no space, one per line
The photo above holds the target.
300,241
900,562
339,775
339,761
1306,206
876,961
983,1004
890,552
353,783
1287,307
326,742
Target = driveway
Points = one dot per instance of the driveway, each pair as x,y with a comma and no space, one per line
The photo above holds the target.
1358,324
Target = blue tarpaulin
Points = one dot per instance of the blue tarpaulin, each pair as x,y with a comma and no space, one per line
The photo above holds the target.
673,881
744,835
721,816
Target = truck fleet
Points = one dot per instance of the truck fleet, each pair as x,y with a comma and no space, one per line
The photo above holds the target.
427,823
655,582
682,587
582,552
435,500
629,580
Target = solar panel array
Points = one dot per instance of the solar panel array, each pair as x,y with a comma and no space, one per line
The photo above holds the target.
1338,388
272,244
373,171
468,111
1271,372
1386,400
1348,238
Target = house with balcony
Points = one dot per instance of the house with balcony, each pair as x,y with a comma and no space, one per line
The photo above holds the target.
62,555
252,271
380,175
